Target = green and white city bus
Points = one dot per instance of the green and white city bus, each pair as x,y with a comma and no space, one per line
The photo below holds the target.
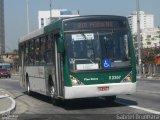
79,57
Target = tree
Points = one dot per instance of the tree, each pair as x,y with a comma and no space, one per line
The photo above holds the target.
150,54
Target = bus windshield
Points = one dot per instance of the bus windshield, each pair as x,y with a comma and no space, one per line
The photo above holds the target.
89,50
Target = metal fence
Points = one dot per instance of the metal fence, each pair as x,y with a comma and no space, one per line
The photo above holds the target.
150,70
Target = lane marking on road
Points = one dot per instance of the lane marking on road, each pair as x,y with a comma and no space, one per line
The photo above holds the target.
140,108
147,91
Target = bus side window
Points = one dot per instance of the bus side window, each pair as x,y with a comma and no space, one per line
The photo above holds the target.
49,53
42,50
37,51
31,54
48,57
26,53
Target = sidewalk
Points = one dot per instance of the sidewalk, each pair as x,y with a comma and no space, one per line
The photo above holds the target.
148,77
7,103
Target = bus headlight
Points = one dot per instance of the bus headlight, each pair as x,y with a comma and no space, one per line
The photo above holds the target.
128,78
75,81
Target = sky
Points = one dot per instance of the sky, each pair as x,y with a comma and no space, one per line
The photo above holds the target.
16,20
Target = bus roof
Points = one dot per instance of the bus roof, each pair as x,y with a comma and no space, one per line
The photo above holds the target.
40,31
32,35
96,17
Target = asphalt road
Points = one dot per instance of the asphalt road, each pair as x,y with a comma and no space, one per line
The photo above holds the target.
145,101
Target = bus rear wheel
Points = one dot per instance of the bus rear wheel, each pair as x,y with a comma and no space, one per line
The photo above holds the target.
110,99
28,86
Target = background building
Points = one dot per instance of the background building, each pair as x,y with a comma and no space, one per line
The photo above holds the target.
150,37
2,34
146,21
44,16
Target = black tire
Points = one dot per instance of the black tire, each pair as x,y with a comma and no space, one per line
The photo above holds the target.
54,100
28,86
110,99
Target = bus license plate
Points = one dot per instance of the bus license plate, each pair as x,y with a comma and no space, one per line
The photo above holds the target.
104,88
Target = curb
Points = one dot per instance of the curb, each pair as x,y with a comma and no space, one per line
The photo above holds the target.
4,96
12,107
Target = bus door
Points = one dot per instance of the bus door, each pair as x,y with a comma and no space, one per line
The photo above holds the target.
59,72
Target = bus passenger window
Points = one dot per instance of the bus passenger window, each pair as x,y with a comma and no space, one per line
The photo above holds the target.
42,51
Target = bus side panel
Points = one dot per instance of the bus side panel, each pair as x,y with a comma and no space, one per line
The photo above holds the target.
37,78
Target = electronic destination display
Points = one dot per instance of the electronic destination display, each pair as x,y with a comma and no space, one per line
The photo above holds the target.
81,25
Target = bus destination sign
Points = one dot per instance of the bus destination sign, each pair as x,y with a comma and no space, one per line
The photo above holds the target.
79,25
103,24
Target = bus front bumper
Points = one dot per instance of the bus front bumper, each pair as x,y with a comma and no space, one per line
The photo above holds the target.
84,91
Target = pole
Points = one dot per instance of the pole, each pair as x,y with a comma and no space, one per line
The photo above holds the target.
139,39
50,11
27,4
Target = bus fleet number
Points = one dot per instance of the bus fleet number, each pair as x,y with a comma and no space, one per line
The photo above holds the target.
114,77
